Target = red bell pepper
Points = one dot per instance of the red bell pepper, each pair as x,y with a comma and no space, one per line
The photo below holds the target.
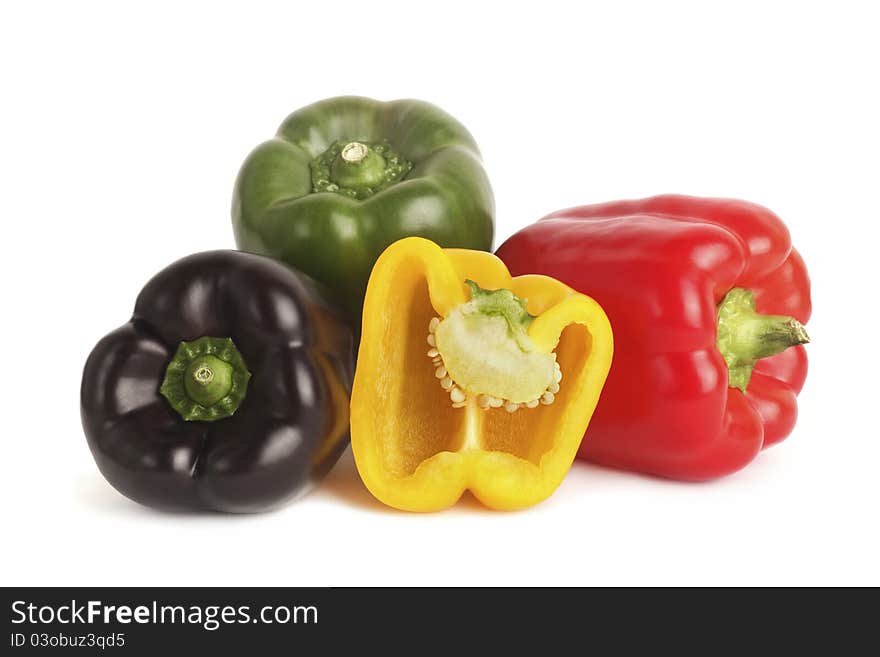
700,381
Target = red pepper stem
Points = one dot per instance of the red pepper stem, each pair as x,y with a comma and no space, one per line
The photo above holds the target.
745,336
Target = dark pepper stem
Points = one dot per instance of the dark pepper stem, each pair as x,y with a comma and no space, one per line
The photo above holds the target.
357,169
745,336
206,379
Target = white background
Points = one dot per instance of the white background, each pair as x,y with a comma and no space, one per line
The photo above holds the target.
121,132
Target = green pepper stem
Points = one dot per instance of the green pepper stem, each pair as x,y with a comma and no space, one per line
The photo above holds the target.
206,379
354,152
745,336
357,169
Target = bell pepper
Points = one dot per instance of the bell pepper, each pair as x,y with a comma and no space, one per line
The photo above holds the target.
345,177
708,300
460,385
227,391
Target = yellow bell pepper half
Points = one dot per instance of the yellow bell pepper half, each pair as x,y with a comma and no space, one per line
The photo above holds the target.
418,443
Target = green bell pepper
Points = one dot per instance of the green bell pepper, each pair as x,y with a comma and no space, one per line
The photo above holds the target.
345,177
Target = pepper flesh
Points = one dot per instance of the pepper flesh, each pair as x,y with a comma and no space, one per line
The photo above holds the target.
413,450
345,177
660,267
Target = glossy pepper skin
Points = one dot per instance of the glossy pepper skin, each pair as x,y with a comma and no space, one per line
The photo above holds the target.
660,267
413,450
297,199
291,424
